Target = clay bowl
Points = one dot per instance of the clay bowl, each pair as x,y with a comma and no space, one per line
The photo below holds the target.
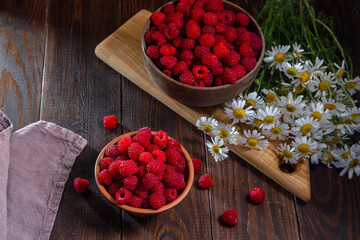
203,96
144,212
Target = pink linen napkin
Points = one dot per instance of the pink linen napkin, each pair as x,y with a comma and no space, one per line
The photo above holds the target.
40,159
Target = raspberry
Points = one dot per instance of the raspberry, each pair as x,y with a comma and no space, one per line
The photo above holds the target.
205,181
188,44
171,31
110,122
199,83
257,195
220,38
141,191
105,162
187,77
187,56
153,52
177,18
220,50
230,46
149,180
239,70
173,144
146,202
230,217
214,5
145,158
249,63
159,155
220,27
246,50
209,60
167,72
123,196
161,139
142,138
104,177
170,194
131,182
183,7
180,67
208,29
244,37
197,15
123,145
173,178
230,76
146,130
81,185
210,18
128,168
201,51
232,59
159,64
191,2
122,158
113,188
207,40
208,81
148,38
230,34
200,72
112,151
168,61
219,81
158,38
158,18
229,17
200,4
197,165
192,29
177,42
114,168
152,147
156,167
242,19
162,27
256,42
141,172
159,188
135,201
173,157
168,9
157,200
218,69
134,151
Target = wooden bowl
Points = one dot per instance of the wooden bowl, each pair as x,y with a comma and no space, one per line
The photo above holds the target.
203,96
144,212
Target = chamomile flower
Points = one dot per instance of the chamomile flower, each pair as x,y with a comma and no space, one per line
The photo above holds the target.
288,153
277,56
317,67
348,125
254,100
226,132
304,145
327,158
297,50
238,112
270,95
206,124
343,153
254,121
334,107
268,116
278,131
324,84
341,69
253,140
304,126
351,165
351,85
318,113
217,149
317,155
291,108
354,113
292,71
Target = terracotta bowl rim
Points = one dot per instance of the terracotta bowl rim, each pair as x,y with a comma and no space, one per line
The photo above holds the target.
239,82
144,211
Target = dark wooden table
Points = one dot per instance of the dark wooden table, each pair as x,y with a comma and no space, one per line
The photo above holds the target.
49,71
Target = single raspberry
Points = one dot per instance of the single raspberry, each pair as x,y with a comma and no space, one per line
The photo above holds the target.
173,179
209,60
219,81
197,165
159,188
244,37
220,50
123,145
131,182
230,217
230,34
157,200
230,76
148,38
156,167
220,38
128,168
242,19
146,202
187,77
112,151
153,52
141,172
192,29
201,51
106,162
114,168
220,27
232,59
177,42
135,201
239,70
170,194
207,40
200,4
142,138
177,18
180,67
191,2
172,157
167,72
152,147
218,69
113,188
173,144
187,56
161,139
159,155
123,196
197,15
145,158
229,17
158,18
134,151
188,44
200,72
158,38
146,130
249,63
104,177
110,122
183,7
214,5
210,18
256,42
208,29
208,81
162,27
199,83
168,9
141,191
245,50
149,180
205,181
171,31
168,61
81,185
257,195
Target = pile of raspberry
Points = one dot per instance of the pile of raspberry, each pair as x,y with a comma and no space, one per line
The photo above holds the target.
144,171
200,43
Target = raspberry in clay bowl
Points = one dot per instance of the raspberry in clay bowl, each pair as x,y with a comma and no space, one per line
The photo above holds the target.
144,172
202,52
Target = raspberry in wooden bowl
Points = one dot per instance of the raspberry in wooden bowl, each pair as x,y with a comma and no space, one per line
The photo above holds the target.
202,53
144,172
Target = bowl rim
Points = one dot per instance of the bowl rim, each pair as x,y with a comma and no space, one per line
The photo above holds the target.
144,211
226,86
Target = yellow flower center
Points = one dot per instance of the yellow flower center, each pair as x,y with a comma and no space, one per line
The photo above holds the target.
292,71
223,133
283,90
207,128
306,128
345,155
304,77
250,102
275,130
299,89
257,122
269,119
287,154
354,115
333,141
353,163
316,116
323,85
252,142
216,149
329,106
297,54
349,121
303,148
270,97
350,85
340,74
239,113
330,158
280,57
290,108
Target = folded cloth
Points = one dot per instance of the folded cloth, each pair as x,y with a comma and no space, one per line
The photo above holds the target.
41,156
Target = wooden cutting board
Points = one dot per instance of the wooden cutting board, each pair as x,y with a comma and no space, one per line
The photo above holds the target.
122,51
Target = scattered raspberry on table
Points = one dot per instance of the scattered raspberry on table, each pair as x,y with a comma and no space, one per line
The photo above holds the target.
81,185
230,217
205,181
257,195
110,122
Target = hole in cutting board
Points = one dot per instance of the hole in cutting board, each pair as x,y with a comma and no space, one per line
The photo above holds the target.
287,168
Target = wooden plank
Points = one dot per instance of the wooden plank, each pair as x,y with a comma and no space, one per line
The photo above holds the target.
22,45
121,51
